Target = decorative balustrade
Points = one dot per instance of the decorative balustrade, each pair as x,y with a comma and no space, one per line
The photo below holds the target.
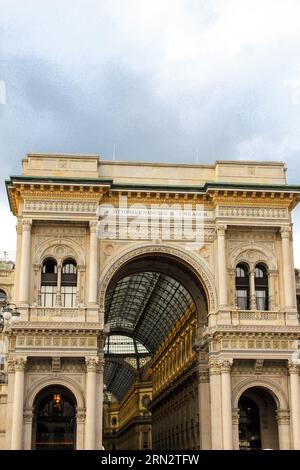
57,314
255,317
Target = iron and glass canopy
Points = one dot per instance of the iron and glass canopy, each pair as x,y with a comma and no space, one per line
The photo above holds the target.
140,311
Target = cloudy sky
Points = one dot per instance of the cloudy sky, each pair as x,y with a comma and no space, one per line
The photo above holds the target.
159,80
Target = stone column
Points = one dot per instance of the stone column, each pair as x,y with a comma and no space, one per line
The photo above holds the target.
222,265
90,421
28,418
58,288
283,421
226,405
235,428
25,262
80,422
80,270
252,289
288,269
215,406
99,402
93,263
204,411
38,272
295,403
18,403
273,273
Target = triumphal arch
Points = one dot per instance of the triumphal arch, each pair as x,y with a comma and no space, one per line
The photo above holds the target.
157,307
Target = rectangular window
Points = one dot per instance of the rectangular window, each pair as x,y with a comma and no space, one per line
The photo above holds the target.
68,296
261,300
242,299
48,296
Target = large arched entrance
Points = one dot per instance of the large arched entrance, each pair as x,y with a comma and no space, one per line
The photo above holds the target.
156,308
54,423
258,427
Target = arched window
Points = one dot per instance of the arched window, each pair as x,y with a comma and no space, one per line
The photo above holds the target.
261,287
69,283
3,297
48,282
242,286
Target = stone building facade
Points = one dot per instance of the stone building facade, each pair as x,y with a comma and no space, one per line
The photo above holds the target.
157,307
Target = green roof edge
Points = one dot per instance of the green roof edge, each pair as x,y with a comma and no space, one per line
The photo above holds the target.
206,185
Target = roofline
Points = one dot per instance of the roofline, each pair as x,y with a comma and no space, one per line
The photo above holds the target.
192,165
149,163
57,180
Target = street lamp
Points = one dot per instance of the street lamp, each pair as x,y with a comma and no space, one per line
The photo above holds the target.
8,315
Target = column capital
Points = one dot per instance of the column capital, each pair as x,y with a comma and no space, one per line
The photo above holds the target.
293,367
226,365
91,363
26,225
285,231
283,416
19,364
235,415
80,415
214,368
203,375
220,229
28,415
19,227
93,226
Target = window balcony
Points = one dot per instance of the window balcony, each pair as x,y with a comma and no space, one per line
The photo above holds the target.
61,314
257,317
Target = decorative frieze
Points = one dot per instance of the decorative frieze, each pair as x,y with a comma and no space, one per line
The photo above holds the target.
56,341
252,343
60,206
259,365
56,364
253,212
